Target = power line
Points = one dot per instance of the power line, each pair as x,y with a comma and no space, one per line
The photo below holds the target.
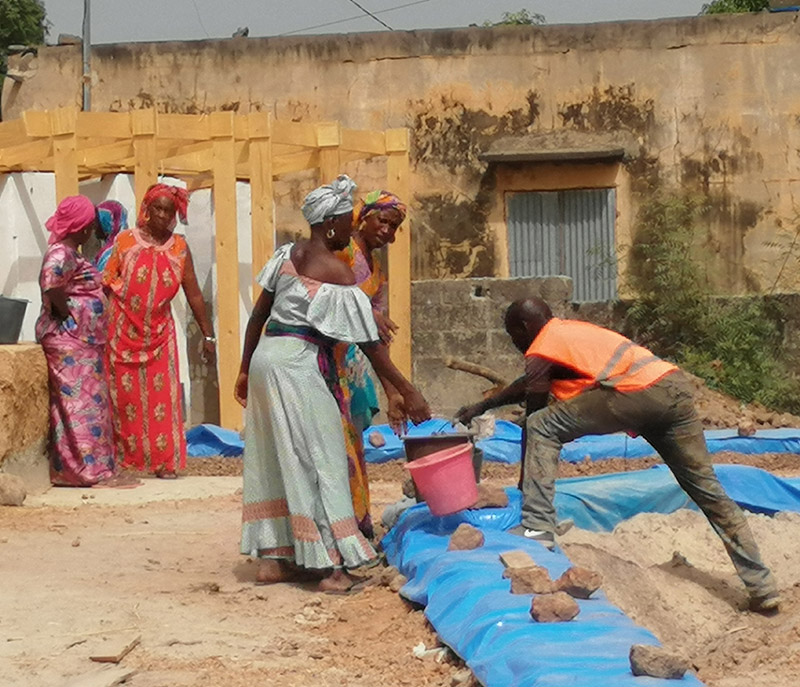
367,12
200,19
353,18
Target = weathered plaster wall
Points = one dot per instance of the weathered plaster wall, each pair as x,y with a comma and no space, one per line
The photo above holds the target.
710,104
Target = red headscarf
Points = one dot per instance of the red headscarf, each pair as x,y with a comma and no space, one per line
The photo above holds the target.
72,214
179,196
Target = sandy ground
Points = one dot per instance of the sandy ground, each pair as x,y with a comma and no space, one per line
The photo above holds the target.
86,571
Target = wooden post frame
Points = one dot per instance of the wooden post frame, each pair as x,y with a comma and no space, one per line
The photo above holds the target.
214,151
227,260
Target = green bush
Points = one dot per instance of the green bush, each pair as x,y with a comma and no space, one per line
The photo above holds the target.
733,343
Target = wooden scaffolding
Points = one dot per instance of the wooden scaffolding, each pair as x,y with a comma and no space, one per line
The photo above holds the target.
214,151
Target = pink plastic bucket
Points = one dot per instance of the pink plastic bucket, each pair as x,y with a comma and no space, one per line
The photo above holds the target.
446,479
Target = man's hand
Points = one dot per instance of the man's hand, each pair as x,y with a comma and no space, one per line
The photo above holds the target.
466,414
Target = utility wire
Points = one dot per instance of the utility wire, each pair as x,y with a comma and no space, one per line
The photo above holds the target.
200,19
367,12
353,18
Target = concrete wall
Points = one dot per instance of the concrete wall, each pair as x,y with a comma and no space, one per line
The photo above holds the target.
464,318
709,104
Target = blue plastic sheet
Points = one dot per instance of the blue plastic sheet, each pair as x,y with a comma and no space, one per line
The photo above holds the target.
471,606
506,444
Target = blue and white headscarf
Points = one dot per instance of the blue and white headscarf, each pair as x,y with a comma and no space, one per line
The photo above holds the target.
332,199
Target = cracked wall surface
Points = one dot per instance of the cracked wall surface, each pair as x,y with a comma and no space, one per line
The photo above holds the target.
709,105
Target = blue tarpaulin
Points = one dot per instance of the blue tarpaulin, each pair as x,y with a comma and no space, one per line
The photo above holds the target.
505,445
470,604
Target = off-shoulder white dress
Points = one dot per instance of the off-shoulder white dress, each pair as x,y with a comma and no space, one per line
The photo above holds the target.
296,494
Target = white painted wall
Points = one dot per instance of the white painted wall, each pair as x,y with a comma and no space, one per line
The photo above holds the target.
28,199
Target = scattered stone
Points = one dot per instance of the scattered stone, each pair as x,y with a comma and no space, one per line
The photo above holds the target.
398,582
554,608
388,574
76,542
491,497
531,580
461,677
656,661
409,490
465,538
517,559
579,582
12,490
747,428
376,439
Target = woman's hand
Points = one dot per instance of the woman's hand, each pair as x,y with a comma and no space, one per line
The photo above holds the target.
398,419
240,389
467,414
416,406
209,351
386,328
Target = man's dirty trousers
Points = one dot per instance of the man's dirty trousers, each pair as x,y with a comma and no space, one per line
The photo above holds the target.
664,414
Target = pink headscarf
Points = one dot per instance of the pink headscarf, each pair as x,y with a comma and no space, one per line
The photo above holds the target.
72,214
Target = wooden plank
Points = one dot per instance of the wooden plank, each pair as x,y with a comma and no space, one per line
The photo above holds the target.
12,133
145,170
328,140
26,154
109,124
227,259
294,133
201,161
346,156
373,142
184,127
37,123
295,162
119,655
399,182
105,154
262,220
103,677
65,161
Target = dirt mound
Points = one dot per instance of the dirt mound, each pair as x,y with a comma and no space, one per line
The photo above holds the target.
670,573
720,411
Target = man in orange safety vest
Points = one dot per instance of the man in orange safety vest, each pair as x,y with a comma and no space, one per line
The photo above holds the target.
605,383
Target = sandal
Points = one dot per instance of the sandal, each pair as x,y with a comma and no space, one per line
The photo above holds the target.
163,473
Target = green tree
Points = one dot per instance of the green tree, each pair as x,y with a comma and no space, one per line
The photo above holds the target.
22,22
521,18
734,6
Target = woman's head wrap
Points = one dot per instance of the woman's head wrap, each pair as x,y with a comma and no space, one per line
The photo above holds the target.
332,199
179,196
375,201
113,219
73,214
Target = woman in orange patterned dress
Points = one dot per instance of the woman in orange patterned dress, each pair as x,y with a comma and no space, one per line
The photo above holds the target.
148,265
375,223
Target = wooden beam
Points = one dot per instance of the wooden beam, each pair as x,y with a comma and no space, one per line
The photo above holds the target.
372,142
27,155
294,133
105,154
65,161
328,140
227,259
399,182
12,133
184,127
108,124
261,209
145,171
295,162
196,163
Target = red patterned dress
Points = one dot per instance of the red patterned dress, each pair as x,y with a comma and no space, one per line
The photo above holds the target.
144,380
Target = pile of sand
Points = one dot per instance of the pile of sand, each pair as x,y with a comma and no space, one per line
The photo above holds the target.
670,573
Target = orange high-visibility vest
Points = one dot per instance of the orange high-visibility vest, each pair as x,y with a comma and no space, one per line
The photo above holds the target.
600,356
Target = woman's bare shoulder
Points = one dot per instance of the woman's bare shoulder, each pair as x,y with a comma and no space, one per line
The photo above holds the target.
321,265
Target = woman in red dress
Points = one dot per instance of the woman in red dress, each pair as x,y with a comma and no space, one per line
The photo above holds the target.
148,265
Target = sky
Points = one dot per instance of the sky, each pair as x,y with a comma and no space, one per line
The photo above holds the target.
116,21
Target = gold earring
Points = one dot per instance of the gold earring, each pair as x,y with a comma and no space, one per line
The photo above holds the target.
331,233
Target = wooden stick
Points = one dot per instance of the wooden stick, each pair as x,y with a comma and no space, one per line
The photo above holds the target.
475,369
116,658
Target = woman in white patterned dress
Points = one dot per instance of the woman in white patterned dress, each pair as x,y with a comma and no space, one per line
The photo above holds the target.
297,510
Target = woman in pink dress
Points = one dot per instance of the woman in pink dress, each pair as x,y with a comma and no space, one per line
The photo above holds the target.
72,331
